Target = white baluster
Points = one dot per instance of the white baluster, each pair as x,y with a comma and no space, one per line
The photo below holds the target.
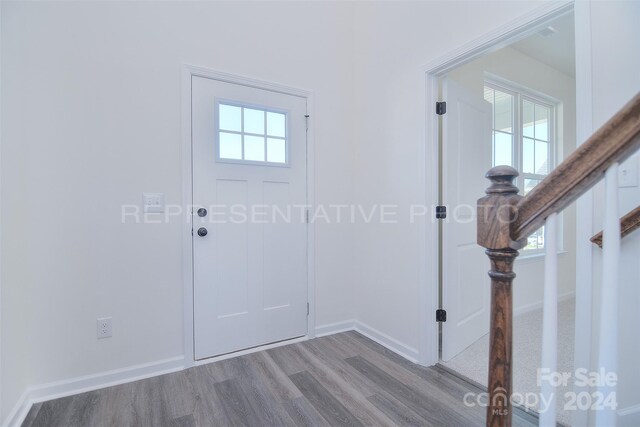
550,321
608,346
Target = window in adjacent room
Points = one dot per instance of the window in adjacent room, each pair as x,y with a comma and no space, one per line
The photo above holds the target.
523,136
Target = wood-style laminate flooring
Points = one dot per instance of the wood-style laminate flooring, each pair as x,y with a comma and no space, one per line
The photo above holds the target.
339,380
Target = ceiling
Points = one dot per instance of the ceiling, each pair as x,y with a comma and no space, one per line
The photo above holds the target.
556,49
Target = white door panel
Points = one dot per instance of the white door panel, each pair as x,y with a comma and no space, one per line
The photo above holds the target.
466,158
250,270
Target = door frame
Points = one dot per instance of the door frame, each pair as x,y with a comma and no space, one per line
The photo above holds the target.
504,35
188,72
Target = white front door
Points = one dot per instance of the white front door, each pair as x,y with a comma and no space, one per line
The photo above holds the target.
466,158
249,229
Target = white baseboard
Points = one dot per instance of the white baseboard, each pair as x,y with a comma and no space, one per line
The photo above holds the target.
538,305
335,328
86,383
385,340
373,334
19,411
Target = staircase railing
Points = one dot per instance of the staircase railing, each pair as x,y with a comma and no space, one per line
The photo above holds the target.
628,224
505,219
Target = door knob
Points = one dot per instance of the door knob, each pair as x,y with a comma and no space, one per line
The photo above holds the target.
202,212
202,231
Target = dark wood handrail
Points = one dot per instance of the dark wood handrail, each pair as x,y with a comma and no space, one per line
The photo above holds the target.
628,224
613,142
505,219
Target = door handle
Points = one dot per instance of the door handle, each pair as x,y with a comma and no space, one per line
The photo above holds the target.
202,231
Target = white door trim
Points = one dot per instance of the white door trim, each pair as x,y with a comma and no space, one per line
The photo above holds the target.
492,41
189,71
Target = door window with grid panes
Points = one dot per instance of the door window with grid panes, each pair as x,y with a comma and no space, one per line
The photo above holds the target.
522,137
248,134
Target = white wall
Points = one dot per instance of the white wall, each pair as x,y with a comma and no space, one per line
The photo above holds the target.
512,65
615,65
393,41
92,121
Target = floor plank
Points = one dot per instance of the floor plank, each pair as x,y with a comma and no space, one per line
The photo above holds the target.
353,398
53,413
32,415
115,406
82,409
287,359
258,393
338,380
208,410
186,421
446,391
321,399
304,414
399,413
424,405
276,379
235,404
178,398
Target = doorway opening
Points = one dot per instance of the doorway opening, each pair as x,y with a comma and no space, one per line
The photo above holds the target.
513,106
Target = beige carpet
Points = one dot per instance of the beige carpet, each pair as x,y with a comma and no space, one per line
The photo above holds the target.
527,344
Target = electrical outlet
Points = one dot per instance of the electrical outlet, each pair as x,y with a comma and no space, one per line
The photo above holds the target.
104,327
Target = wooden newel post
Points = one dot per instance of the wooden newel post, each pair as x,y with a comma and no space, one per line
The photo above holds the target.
496,213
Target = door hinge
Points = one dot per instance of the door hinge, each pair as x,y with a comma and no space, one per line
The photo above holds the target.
306,118
441,107
441,212
307,309
307,216
441,315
